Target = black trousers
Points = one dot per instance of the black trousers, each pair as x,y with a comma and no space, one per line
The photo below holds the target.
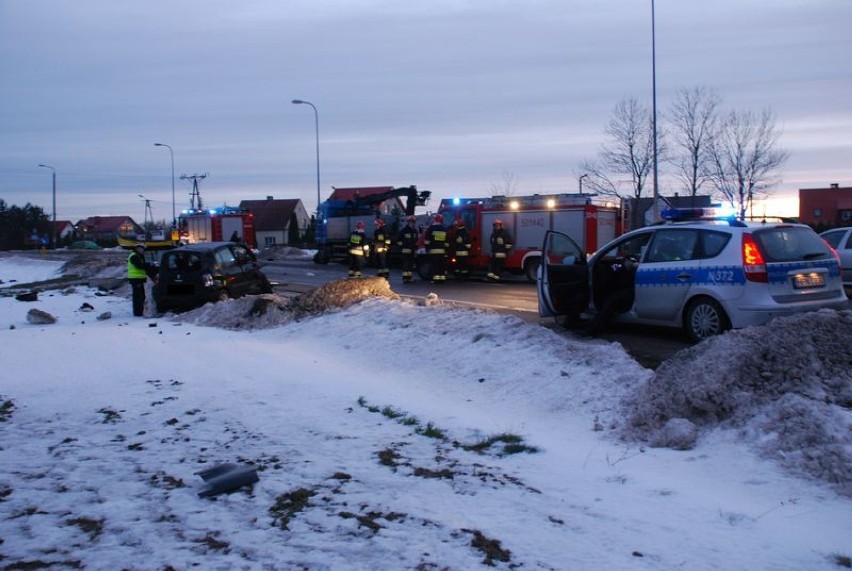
138,288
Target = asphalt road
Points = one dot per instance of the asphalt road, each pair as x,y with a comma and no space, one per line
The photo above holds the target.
515,295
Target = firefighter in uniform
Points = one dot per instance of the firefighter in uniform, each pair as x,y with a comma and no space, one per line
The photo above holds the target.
501,243
138,272
381,242
358,248
461,248
436,246
407,242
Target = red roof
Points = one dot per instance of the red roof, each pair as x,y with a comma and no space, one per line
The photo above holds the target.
104,223
351,193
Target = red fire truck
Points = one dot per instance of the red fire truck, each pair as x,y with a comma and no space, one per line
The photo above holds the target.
527,218
216,225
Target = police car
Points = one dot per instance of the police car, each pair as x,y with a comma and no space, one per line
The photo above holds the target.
699,270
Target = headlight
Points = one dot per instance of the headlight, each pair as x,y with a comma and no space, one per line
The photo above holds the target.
208,280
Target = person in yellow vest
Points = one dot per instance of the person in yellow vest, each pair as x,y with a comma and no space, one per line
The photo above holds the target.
138,272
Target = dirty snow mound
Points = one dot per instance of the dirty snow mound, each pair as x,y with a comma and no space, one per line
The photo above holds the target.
269,310
786,387
341,293
248,313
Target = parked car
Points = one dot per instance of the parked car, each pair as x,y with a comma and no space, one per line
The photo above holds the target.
84,245
697,271
841,240
193,275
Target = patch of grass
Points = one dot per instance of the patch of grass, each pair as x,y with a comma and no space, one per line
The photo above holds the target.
842,561
38,564
94,527
490,547
368,519
288,505
7,407
163,480
212,542
389,457
391,413
431,431
409,421
446,473
512,444
110,416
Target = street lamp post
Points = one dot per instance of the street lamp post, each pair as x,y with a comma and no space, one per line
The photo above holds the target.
654,109
316,127
53,226
581,181
172,153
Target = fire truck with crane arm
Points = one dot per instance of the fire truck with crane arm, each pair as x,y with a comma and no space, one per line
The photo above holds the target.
347,206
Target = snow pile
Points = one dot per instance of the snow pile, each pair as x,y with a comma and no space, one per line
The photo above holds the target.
785,387
386,435
270,310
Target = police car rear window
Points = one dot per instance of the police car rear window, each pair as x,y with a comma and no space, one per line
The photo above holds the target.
791,243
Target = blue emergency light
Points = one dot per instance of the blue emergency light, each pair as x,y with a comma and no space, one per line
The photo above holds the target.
705,213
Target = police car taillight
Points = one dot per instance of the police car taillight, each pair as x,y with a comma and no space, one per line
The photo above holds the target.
753,264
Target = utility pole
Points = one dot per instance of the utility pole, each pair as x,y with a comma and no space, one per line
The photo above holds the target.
195,196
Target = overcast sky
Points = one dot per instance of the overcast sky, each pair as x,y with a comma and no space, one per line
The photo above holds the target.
451,96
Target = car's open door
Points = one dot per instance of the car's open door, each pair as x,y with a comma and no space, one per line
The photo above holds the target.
563,284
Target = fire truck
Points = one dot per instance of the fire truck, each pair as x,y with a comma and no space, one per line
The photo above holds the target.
347,206
217,225
527,218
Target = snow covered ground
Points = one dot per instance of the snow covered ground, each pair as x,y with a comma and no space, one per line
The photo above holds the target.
392,435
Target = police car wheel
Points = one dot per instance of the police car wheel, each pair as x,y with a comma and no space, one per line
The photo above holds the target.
705,318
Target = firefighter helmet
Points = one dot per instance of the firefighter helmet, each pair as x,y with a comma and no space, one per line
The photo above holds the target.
438,218
359,226
139,245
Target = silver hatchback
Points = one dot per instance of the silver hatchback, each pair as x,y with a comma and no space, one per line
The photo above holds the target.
841,240
704,275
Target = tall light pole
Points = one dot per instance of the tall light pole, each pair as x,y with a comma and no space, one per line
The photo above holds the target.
581,181
316,127
172,153
654,108
53,226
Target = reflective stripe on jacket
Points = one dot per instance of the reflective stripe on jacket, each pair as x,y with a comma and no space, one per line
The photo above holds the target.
357,244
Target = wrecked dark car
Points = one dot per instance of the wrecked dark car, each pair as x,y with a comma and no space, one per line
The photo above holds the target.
193,275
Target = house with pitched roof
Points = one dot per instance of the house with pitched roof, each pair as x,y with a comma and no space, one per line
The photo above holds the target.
105,230
63,230
277,221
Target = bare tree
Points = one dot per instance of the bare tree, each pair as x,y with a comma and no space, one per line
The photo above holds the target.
694,119
506,187
745,158
625,162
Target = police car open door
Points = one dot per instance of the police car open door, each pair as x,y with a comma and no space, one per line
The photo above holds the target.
563,280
